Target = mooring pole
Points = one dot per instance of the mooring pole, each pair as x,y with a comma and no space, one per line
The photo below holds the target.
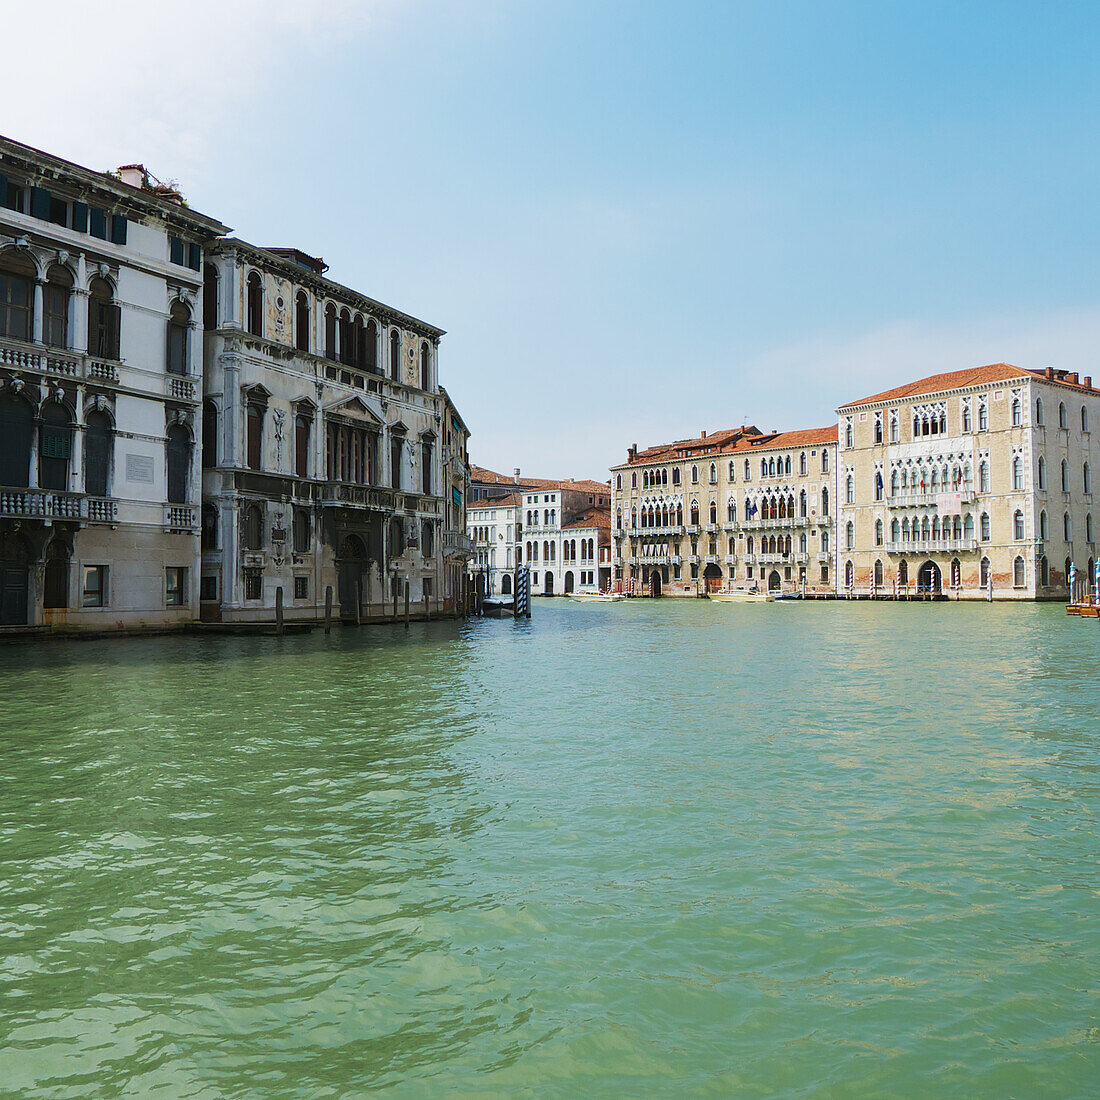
359,600
427,611
279,609
406,603
328,608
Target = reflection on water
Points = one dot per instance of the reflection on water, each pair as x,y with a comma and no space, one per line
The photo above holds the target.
646,848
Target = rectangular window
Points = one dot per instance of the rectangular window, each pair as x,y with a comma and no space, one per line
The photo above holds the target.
175,592
59,211
301,588
118,229
177,250
208,589
253,584
95,586
98,220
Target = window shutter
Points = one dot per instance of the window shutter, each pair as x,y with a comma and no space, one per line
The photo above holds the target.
99,223
3,190
40,203
54,442
80,217
118,228
176,250
194,257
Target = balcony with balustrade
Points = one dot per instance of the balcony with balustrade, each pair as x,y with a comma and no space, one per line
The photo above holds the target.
43,504
932,546
929,500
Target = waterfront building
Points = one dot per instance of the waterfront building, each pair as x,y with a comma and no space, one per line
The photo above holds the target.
323,420
100,371
556,527
735,509
455,460
977,483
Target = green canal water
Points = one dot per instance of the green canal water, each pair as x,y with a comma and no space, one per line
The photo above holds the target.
664,848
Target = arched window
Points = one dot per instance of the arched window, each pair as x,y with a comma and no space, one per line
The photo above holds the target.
824,502
1039,411
55,319
16,433
303,424
1086,478
878,485
425,359
1065,474
1088,529
210,296
732,476
895,530
713,512
968,527
983,476
695,513
824,461
395,355
345,351
1084,419
850,536
1018,579
330,332
252,527
1063,415
618,482
1067,527
1017,472
824,542
208,533
713,474
1042,472
103,320
848,434
1016,412
802,463
893,428
983,573
427,539
1018,524
56,575
676,475
358,341
1044,572
878,573
748,470
1044,527
967,422
55,445
255,318
397,448
983,416
878,532
370,350
179,329
878,428
178,447
983,526
209,435
98,448
849,575
16,296
302,533
850,489
695,475
302,321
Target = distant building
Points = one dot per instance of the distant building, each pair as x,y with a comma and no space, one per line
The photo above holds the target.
100,383
455,459
968,483
734,509
495,530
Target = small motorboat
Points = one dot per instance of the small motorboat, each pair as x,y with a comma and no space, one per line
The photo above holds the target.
497,607
598,597
743,597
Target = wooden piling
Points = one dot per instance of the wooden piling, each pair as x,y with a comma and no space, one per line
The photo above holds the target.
328,608
406,603
279,609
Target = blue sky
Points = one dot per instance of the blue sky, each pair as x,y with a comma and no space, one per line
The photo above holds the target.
637,220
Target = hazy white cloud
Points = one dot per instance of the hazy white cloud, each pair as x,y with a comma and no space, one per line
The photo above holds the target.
155,82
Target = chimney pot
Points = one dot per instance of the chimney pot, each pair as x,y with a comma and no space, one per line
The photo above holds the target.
1087,381
1049,374
1073,378
703,435
517,475
133,174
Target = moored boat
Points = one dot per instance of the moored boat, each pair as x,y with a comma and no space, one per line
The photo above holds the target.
743,597
598,597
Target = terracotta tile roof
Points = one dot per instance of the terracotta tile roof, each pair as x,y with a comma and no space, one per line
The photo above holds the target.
501,502
801,437
952,380
491,477
670,452
593,517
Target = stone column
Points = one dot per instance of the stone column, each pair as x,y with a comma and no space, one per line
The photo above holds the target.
231,410
76,470
38,311
78,333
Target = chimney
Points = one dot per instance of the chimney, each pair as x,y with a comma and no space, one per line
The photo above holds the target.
1048,374
1072,378
632,452
516,475
1087,381
703,435
133,174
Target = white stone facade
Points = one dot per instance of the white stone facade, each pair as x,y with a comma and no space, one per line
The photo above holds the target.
100,376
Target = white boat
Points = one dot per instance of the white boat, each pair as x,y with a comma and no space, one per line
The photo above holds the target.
743,597
598,597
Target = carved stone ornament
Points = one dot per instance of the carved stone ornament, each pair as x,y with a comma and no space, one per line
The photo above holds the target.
280,419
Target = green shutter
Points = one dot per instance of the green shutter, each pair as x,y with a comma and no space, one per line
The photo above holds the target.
177,249
54,442
194,257
99,223
456,496
40,203
118,229
80,217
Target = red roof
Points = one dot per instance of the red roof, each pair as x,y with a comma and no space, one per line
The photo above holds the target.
501,502
952,380
491,477
593,517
